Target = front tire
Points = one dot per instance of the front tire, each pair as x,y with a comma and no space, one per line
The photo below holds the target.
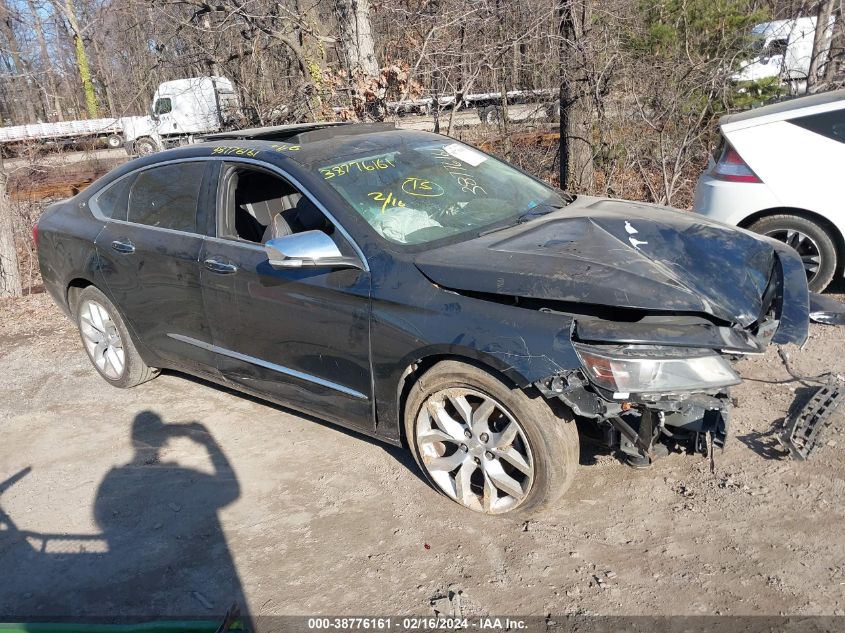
107,342
114,141
812,242
489,447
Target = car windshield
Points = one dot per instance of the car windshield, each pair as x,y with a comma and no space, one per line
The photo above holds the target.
429,190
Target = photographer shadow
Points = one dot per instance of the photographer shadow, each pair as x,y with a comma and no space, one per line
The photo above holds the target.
161,552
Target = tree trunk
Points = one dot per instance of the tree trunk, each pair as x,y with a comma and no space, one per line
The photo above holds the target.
356,37
52,101
576,111
836,53
10,275
21,68
821,44
82,61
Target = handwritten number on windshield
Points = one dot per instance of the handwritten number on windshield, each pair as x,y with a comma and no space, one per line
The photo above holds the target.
388,198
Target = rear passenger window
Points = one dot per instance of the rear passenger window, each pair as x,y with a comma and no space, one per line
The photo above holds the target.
111,201
166,197
829,124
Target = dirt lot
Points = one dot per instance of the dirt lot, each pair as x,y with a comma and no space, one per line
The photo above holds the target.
150,514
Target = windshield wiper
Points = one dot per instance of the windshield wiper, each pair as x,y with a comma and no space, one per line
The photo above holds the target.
536,212
532,214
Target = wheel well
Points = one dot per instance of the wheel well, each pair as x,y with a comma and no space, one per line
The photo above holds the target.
809,215
74,289
416,370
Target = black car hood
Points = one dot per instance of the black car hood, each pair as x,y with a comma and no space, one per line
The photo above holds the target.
617,254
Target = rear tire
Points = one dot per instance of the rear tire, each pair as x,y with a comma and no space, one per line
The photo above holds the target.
812,241
490,115
145,146
114,141
107,341
498,468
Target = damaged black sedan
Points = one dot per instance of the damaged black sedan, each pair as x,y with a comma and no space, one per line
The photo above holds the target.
415,289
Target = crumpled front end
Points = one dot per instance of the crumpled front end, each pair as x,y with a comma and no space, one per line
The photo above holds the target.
662,382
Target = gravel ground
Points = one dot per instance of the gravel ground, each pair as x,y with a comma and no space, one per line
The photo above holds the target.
178,497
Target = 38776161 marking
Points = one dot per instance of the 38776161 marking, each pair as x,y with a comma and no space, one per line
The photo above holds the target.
228,150
360,165
417,623
351,623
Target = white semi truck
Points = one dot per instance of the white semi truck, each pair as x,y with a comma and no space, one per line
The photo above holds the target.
783,49
180,111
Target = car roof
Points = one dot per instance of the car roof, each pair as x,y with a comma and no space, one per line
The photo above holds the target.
304,143
785,110
303,134
783,27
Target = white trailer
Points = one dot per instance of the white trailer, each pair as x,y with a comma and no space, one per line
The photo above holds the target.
488,104
66,132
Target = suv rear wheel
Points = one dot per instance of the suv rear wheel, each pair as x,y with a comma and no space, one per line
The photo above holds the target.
813,243
490,448
107,341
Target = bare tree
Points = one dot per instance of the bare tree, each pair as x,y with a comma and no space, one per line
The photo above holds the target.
69,11
356,37
821,44
20,67
10,276
52,101
836,53
576,112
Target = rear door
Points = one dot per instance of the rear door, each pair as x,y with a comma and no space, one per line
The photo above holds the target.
149,255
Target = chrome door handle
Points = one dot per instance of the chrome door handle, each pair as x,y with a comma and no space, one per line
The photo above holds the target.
123,247
219,267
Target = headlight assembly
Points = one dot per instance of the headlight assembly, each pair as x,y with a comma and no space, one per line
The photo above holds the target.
651,369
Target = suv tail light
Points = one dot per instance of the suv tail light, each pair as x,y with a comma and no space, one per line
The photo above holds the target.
732,168
35,235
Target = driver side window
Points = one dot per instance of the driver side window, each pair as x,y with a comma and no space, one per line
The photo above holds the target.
257,206
163,106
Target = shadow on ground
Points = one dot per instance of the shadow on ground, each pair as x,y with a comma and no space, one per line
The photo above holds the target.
160,551
400,453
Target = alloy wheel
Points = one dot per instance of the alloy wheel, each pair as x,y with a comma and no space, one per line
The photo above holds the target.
102,340
474,450
805,246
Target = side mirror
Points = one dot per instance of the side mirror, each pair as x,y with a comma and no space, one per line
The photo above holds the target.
153,115
309,249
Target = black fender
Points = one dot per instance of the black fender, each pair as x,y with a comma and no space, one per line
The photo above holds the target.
522,345
795,306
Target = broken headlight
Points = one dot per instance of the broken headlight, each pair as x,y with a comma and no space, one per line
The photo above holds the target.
653,369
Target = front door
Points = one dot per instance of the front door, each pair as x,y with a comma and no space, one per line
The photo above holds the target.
300,336
149,256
